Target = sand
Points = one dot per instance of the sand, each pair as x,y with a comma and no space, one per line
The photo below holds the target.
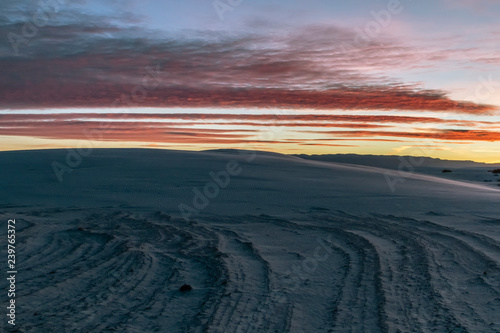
268,242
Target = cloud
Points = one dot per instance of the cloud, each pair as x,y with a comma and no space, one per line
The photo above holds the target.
185,128
143,132
468,135
102,65
319,120
53,94
327,145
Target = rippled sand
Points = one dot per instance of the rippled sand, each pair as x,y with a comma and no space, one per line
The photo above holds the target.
288,245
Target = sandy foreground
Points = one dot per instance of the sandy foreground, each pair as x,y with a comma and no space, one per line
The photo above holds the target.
268,243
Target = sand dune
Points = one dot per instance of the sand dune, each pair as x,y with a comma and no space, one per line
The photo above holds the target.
287,245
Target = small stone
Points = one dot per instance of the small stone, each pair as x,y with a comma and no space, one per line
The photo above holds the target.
185,287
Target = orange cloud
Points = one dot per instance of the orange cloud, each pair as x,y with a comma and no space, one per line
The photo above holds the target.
272,119
126,132
468,135
306,70
51,95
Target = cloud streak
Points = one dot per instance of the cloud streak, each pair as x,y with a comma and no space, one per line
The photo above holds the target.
60,95
445,135
190,132
82,65
233,118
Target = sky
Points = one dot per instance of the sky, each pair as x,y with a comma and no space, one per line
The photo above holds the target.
396,77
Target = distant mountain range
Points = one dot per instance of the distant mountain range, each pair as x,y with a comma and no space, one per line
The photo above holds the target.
394,161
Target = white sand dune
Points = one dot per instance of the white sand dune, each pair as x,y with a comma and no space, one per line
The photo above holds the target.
467,171
289,245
